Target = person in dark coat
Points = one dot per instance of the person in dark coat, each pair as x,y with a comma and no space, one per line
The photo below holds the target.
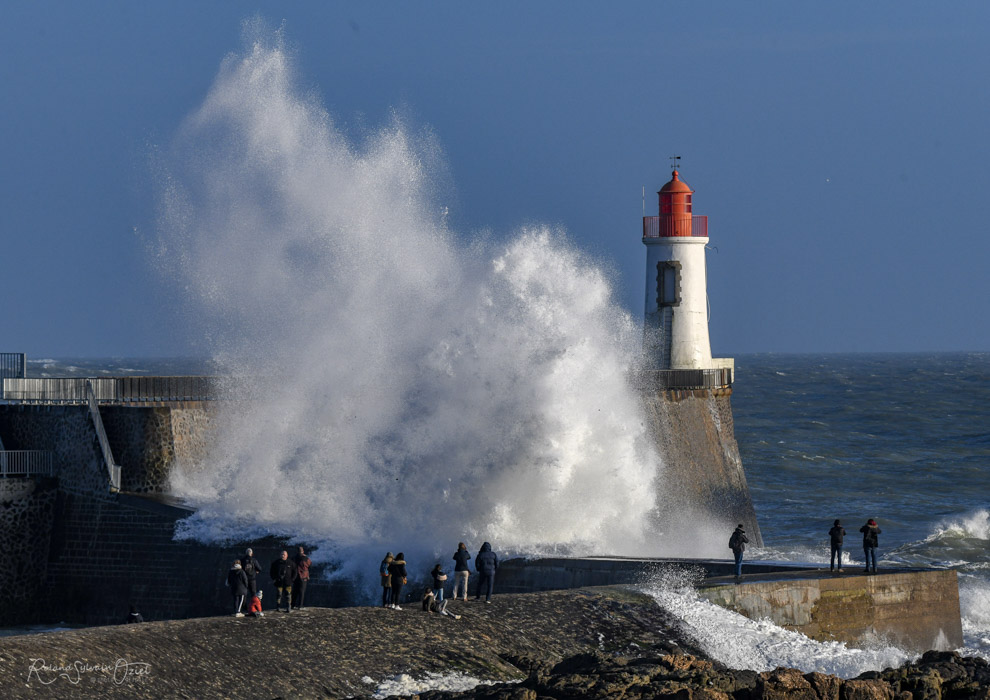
283,573
835,535
237,581
439,579
397,572
461,570
133,616
251,569
302,563
386,580
737,543
485,563
870,543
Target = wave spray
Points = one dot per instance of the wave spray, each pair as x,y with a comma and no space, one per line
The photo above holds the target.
398,385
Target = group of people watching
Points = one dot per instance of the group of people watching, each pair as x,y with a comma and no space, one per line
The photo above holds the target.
394,576
870,543
738,542
288,576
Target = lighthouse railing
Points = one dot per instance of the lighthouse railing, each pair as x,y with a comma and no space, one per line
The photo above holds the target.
664,379
654,227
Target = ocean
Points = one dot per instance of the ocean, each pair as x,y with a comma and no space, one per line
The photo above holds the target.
901,438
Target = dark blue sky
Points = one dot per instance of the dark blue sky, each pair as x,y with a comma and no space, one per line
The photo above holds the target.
840,150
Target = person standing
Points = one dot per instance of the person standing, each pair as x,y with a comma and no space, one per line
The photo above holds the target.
386,580
836,534
397,572
870,543
302,563
439,578
461,570
251,569
237,581
737,543
283,574
486,563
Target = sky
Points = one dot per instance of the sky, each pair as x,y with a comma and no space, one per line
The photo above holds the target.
840,151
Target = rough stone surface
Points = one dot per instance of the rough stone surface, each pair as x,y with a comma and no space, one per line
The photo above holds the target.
598,644
695,436
68,432
25,528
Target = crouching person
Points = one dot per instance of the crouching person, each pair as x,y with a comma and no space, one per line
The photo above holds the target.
431,604
254,606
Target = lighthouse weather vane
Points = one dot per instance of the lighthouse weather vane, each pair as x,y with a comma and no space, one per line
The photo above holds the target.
674,164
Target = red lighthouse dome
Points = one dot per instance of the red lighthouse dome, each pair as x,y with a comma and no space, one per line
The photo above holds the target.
675,208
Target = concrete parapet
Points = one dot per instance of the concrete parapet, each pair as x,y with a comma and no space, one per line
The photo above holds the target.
917,610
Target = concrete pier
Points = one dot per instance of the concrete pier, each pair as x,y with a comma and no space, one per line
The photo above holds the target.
916,609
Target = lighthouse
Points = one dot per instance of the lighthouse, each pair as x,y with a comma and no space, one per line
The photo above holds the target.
676,328
686,392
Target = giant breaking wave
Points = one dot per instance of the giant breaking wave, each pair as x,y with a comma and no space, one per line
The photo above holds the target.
397,385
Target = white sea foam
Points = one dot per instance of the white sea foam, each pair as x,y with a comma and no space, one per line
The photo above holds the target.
404,684
760,645
409,389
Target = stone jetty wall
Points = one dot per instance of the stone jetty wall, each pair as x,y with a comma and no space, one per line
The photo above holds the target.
26,508
694,434
916,610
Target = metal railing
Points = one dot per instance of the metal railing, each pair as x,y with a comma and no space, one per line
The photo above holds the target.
653,227
13,364
120,390
663,379
113,469
26,463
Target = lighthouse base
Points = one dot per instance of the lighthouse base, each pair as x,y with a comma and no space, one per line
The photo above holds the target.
703,472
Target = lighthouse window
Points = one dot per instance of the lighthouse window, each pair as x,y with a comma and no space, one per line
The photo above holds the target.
668,285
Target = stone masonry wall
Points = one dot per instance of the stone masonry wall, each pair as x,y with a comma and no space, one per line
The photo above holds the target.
69,433
111,551
25,530
694,434
193,431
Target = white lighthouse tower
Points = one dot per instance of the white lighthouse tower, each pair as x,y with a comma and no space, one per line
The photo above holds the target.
676,328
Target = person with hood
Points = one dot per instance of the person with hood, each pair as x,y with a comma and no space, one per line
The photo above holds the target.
302,563
254,607
870,543
133,616
485,563
251,569
737,543
283,574
836,534
386,580
238,584
461,570
439,577
397,572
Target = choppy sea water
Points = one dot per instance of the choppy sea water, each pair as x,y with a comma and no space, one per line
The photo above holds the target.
901,438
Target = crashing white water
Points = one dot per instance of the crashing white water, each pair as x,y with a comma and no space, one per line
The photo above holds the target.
760,645
405,388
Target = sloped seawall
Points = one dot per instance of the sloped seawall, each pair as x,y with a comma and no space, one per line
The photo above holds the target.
694,433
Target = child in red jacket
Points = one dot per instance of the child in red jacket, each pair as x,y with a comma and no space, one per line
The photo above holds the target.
254,608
